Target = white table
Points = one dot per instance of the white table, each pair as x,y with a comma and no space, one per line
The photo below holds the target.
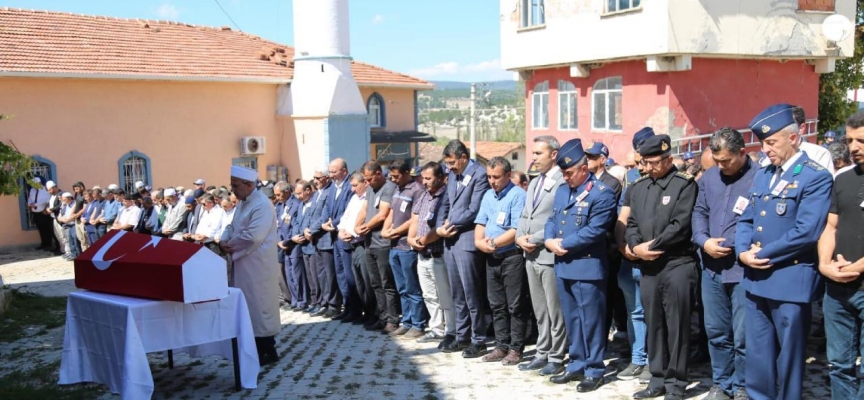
108,337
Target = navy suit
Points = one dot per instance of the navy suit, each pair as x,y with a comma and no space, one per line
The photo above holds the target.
334,208
464,263
581,217
281,234
307,251
325,265
293,258
786,225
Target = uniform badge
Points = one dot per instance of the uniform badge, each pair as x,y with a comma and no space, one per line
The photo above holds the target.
578,220
567,160
781,208
664,146
666,200
765,128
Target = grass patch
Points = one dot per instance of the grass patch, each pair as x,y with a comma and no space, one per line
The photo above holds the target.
27,310
40,382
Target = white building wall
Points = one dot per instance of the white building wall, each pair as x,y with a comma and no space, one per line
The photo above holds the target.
579,31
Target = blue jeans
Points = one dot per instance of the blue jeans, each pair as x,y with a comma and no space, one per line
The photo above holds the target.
404,264
844,313
72,238
724,325
628,281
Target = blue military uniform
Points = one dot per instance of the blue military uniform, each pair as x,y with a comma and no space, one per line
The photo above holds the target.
785,219
581,216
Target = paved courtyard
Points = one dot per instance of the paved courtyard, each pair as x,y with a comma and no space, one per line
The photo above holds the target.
322,359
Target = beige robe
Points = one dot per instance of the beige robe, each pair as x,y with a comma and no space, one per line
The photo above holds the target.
252,234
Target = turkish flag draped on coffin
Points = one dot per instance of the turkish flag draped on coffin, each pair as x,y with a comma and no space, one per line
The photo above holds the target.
132,264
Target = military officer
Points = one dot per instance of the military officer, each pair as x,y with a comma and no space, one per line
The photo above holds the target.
582,213
776,241
658,234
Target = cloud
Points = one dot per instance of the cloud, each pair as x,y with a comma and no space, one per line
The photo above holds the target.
490,69
167,11
377,19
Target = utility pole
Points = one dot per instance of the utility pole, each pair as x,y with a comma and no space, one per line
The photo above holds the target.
471,124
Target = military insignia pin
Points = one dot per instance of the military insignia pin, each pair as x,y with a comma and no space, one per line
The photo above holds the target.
781,208
664,146
567,160
666,200
765,128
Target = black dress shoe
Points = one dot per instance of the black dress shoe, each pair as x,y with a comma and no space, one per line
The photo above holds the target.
339,316
649,393
552,368
268,358
320,312
534,365
331,314
360,321
448,341
474,350
377,326
566,377
455,346
311,309
589,384
348,318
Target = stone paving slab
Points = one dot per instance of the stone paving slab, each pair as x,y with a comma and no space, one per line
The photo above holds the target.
322,359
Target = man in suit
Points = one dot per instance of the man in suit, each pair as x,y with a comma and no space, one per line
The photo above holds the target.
576,232
280,189
311,257
337,200
539,261
466,185
776,240
292,218
658,234
37,201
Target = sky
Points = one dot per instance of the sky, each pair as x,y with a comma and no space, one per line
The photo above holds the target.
453,40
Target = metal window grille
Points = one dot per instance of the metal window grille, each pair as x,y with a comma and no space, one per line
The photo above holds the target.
39,169
134,169
246,163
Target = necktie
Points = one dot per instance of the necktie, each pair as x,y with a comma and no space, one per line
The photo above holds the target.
539,189
777,175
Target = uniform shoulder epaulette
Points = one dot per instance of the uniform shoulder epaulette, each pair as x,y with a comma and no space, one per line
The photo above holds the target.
641,178
814,165
684,175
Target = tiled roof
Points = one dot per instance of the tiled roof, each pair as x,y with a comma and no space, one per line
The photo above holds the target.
431,152
488,150
48,43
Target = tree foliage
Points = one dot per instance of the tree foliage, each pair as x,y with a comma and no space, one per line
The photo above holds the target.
14,167
834,107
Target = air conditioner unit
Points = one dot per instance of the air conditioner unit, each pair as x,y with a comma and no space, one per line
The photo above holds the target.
252,145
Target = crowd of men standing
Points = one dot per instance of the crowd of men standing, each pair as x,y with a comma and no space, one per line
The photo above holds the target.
452,252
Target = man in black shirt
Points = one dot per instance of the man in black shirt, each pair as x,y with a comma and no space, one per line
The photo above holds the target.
658,234
841,260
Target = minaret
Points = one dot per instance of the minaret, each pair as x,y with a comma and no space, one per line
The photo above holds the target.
329,114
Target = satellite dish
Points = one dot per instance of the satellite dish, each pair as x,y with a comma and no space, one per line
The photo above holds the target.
837,28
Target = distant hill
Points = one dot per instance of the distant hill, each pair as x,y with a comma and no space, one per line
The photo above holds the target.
494,85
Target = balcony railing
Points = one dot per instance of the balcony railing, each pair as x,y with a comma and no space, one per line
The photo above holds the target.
695,144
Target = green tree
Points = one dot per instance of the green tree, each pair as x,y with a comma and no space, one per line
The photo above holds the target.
848,75
14,167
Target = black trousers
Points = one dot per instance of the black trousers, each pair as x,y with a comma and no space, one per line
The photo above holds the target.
362,274
45,225
667,297
507,288
383,285
309,263
330,294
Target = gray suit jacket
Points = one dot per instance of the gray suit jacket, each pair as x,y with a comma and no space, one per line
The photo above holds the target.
533,219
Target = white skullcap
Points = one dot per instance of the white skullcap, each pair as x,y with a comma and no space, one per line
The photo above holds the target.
37,180
67,194
139,185
246,174
113,186
50,185
170,192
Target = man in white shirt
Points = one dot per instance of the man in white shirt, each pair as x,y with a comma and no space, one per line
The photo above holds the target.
37,200
175,213
128,216
210,224
840,157
228,205
347,234
52,211
66,218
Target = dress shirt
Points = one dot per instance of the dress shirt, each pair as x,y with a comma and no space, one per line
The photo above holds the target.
67,211
129,216
714,216
785,167
426,208
500,212
39,197
349,217
844,169
816,153
227,218
211,223
110,210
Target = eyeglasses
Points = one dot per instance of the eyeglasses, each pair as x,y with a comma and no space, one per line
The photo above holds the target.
318,178
652,163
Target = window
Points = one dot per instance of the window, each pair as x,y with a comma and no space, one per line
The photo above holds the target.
816,5
540,106
621,5
533,13
134,167
607,104
514,156
375,107
248,162
567,119
47,171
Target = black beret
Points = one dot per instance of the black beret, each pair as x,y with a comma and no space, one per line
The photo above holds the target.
655,145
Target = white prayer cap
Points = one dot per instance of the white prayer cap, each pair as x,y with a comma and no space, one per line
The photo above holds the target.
170,192
67,194
113,186
139,185
50,185
246,174
37,180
